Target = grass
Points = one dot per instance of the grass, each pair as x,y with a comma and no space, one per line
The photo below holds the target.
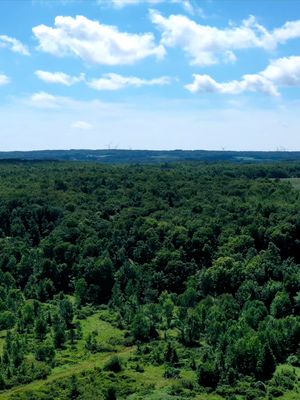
149,384
294,181
146,384
73,361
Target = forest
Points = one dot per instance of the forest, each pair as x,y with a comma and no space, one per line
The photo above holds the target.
119,156
160,282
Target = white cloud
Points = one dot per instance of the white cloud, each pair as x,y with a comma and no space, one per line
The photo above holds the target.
94,42
290,30
230,57
44,100
283,72
188,7
115,82
82,125
59,77
64,104
251,83
4,80
124,3
110,81
14,45
185,4
207,45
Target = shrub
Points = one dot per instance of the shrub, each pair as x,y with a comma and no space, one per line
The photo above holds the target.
114,364
294,360
208,375
7,320
284,379
111,394
45,352
139,368
172,373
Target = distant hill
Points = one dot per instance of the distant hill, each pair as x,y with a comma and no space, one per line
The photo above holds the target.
151,156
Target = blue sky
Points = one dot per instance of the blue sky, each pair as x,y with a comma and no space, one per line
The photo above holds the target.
150,74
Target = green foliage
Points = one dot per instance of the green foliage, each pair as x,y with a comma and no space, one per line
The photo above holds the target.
7,320
208,375
40,328
141,327
59,334
114,364
198,264
283,380
281,305
111,394
45,352
66,311
171,373
171,356
80,292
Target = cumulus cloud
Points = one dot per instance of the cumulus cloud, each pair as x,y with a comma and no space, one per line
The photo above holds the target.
283,72
4,80
14,45
251,83
113,81
207,45
82,125
44,100
94,42
290,30
59,77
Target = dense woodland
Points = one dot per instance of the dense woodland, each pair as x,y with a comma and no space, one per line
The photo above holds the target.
115,156
194,267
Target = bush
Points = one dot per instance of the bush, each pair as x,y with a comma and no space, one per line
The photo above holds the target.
208,375
187,384
7,320
91,343
45,352
142,328
171,354
139,368
275,392
111,394
284,379
114,364
172,373
294,360
30,371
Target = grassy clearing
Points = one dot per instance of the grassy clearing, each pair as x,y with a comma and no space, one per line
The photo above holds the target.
72,361
148,384
294,181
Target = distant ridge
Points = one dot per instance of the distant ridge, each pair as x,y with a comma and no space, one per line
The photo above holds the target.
149,156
